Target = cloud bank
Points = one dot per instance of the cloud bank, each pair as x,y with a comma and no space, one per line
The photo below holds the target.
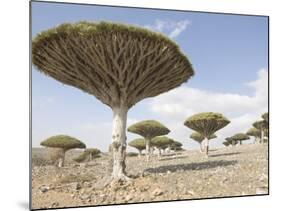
175,106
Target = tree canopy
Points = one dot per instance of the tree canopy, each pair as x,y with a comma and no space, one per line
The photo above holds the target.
206,123
149,129
260,125
161,142
254,132
240,137
138,143
197,137
265,116
63,141
117,63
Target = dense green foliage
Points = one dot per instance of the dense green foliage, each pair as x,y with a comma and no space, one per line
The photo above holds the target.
149,129
176,146
260,125
206,123
254,132
138,143
63,141
265,116
240,137
89,154
197,137
161,142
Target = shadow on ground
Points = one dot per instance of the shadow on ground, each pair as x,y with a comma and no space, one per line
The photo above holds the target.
173,157
225,154
191,166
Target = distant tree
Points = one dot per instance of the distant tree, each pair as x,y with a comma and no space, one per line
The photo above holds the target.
118,64
261,125
199,139
239,137
132,154
138,143
176,146
161,143
265,116
148,129
231,141
62,143
226,143
255,133
88,154
206,123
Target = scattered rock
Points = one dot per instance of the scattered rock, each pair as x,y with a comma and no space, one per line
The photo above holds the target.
44,189
157,192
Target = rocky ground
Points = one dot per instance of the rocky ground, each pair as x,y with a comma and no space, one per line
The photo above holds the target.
231,171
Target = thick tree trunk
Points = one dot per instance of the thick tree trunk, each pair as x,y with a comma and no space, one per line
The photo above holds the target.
147,149
233,143
139,154
240,142
169,148
206,146
159,152
61,159
202,146
262,136
118,145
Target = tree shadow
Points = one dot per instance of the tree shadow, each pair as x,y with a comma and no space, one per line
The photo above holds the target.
225,154
173,157
191,166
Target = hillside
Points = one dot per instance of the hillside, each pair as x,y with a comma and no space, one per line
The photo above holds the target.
231,171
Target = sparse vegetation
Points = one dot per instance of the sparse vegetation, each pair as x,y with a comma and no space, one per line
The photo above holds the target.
206,123
61,144
148,129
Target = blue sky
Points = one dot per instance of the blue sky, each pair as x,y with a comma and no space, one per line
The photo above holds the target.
228,53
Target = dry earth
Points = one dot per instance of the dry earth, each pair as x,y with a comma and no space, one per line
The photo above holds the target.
231,171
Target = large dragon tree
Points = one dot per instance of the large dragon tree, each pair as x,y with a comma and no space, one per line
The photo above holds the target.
239,137
199,139
148,129
118,64
62,143
206,123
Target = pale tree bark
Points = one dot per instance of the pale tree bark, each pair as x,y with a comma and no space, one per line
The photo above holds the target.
119,143
147,149
61,158
159,152
202,146
139,154
262,136
169,148
240,142
206,146
233,143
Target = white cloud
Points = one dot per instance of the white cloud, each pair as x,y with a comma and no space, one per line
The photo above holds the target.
169,27
175,106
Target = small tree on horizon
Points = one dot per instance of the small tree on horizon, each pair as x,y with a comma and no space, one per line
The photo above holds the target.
255,133
118,64
239,137
161,143
139,144
231,141
261,125
206,123
88,154
63,143
148,129
199,139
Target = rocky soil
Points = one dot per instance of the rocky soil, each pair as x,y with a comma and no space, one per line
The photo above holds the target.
231,171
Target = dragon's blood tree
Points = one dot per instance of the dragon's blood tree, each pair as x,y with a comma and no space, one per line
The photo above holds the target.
118,64
239,137
148,129
255,133
199,139
62,143
88,155
139,144
161,143
231,141
206,123
176,146
262,126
